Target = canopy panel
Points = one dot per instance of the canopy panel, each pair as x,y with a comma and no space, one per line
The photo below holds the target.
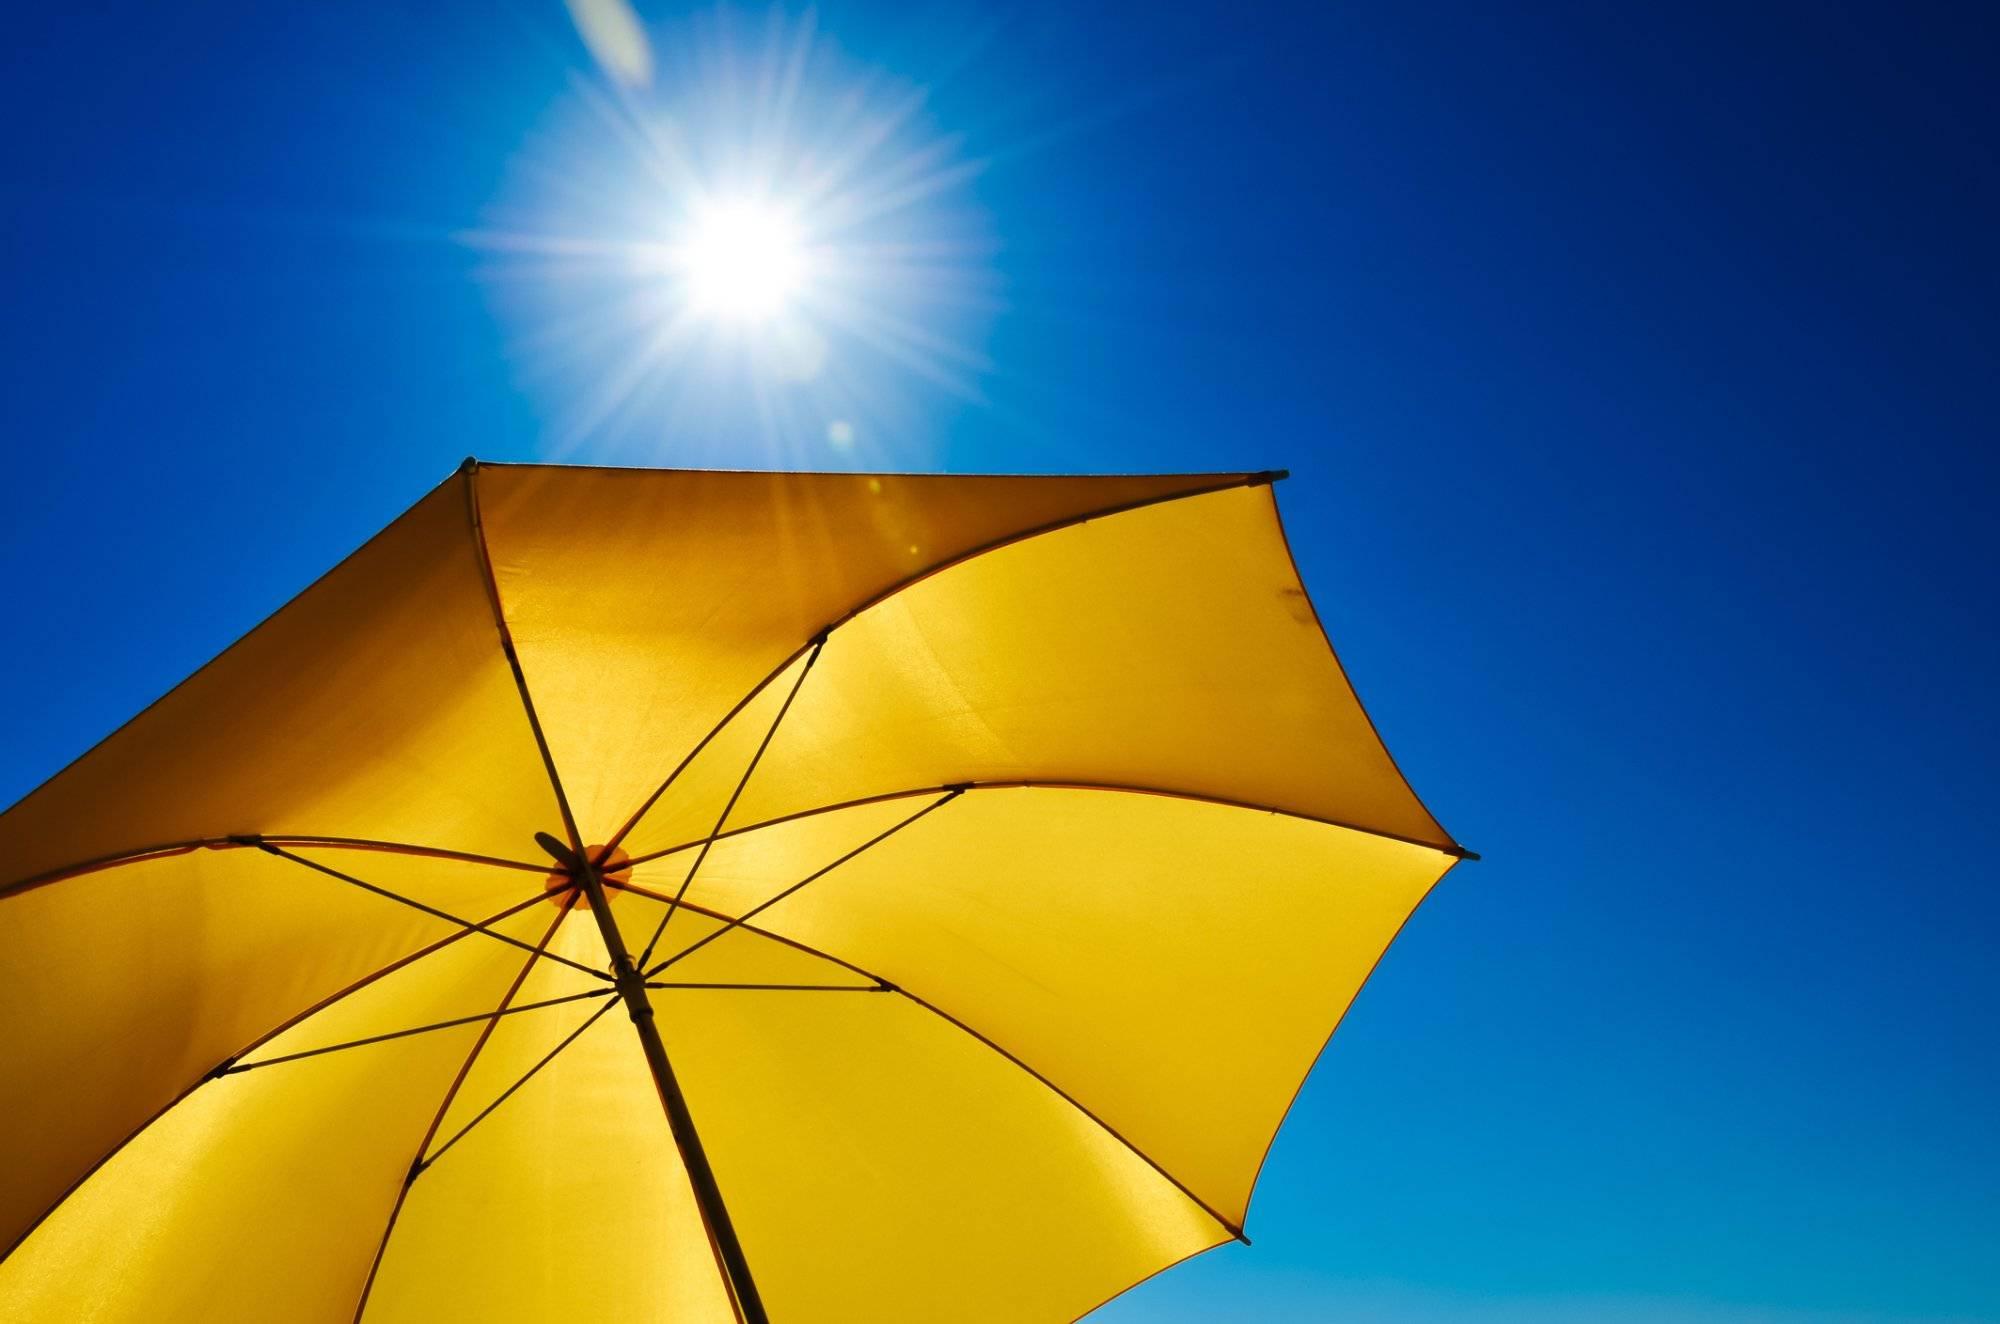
1168,647
566,1202
263,1195
892,1168
646,603
123,988
1123,946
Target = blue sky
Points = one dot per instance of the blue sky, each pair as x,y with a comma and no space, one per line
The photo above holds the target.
1636,372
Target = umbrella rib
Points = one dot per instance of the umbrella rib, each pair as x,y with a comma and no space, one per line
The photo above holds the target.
221,1068
419,1029
237,1068
424,1164
888,986
631,985
951,794
140,854
1052,784
437,1119
474,925
878,983
1261,479
696,908
492,584
781,988
646,953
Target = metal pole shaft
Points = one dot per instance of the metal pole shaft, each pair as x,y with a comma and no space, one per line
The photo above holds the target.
707,1195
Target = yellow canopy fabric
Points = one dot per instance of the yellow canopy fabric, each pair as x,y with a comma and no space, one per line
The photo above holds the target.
995,855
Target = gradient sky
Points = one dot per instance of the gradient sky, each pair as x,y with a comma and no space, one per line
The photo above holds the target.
1637,376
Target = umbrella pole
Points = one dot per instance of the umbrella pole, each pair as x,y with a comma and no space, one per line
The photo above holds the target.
708,1196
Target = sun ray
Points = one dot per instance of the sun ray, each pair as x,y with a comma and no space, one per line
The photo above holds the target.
743,235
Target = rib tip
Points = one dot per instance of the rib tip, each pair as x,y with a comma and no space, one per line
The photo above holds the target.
1265,477
1469,855
1240,1235
221,1069
469,464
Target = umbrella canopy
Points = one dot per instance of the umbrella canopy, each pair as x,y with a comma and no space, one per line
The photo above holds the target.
701,896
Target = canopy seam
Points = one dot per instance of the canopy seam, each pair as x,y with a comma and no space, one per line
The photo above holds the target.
1056,784
492,584
239,841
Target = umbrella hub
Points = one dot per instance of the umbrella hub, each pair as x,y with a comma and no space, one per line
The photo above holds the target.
562,883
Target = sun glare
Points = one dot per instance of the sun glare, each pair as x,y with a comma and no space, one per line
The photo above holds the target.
740,243
742,261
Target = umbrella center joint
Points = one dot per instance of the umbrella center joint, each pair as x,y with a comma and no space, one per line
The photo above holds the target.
564,888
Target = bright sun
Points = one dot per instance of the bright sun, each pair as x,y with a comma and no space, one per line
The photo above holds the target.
742,235
742,261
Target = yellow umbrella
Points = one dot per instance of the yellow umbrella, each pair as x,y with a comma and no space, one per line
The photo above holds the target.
981,861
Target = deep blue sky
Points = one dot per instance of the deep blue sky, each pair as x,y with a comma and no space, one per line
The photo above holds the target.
1637,373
